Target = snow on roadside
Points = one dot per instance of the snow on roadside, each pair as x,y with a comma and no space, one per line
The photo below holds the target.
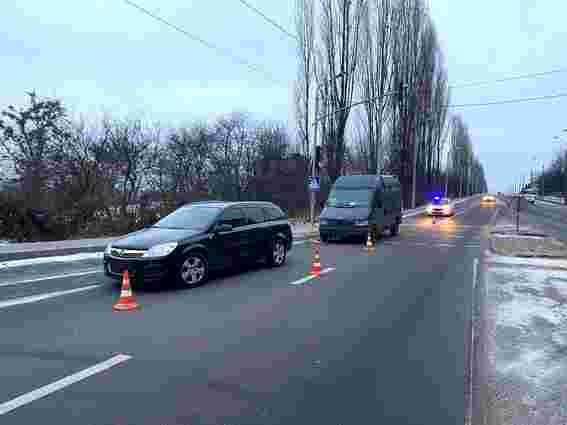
526,261
50,260
529,329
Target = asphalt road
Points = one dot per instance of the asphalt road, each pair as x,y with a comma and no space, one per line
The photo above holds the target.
379,339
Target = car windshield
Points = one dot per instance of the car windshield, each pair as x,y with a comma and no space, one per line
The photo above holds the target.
349,198
189,217
442,201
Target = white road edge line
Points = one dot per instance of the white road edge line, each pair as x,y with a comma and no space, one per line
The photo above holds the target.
41,297
71,258
39,279
308,278
468,418
62,383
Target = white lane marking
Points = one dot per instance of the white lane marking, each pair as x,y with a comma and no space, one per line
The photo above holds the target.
41,297
61,276
54,259
412,214
308,278
471,354
61,383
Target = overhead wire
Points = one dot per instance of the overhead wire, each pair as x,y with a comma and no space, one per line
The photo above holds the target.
208,44
269,20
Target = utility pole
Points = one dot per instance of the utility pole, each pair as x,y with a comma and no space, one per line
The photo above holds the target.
312,195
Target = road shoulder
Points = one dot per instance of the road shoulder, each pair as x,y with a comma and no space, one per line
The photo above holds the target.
524,328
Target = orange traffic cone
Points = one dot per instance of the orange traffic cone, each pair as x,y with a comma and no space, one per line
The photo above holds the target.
369,243
316,268
126,301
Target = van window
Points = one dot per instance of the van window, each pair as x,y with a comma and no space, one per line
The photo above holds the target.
345,198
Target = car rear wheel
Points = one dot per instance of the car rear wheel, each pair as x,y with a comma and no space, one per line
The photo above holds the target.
194,270
395,229
278,253
324,237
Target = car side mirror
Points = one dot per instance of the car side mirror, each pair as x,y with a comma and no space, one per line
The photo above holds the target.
223,227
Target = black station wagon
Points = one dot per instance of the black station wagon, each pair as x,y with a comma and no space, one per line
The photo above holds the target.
199,237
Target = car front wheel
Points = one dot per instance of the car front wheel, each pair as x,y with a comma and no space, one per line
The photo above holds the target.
194,270
278,253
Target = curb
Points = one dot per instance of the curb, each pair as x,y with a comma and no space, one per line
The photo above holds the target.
21,255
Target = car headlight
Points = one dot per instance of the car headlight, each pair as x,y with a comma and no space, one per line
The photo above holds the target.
361,223
107,249
429,209
161,250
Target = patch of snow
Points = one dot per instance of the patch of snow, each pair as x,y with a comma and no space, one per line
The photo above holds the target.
50,260
532,261
515,236
523,310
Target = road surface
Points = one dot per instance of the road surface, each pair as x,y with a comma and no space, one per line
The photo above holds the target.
378,339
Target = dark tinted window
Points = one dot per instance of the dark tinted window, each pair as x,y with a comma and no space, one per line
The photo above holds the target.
273,213
349,198
234,216
189,217
255,214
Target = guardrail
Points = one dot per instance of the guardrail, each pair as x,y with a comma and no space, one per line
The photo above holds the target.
552,199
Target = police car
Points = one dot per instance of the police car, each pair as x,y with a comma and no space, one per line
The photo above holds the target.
440,207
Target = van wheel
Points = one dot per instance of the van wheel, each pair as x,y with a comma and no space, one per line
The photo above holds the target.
395,229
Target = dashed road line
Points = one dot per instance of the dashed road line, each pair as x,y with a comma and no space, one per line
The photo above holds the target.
42,297
310,277
61,383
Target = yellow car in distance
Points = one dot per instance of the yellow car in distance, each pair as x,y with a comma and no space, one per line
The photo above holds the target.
488,201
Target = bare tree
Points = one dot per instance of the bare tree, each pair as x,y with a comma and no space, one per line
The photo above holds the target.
272,141
82,184
375,73
340,42
30,137
306,35
232,156
188,156
128,146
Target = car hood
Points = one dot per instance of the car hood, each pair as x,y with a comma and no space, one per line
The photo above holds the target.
356,213
146,238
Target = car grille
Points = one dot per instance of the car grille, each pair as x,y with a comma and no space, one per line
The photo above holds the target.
119,267
126,253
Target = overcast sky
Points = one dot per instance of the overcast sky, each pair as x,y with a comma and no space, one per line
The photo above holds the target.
105,56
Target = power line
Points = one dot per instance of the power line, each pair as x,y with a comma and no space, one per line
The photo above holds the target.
268,19
218,49
505,79
464,105
508,101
